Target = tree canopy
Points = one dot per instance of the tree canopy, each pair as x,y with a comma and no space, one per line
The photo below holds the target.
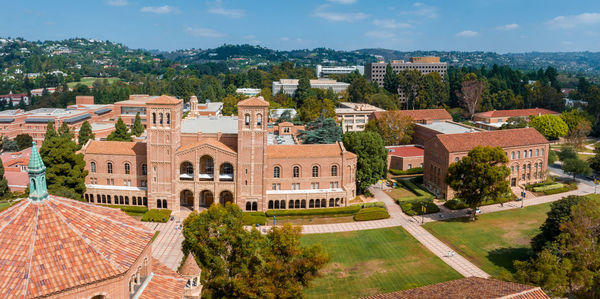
372,157
551,126
85,133
23,141
321,131
137,128
4,191
394,129
121,133
314,108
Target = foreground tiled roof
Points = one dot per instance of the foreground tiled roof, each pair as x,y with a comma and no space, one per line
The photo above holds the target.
254,101
165,100
304,151
190,266
515,112
502,138
116,148
57,244
419,114
471,288
165,283
405,151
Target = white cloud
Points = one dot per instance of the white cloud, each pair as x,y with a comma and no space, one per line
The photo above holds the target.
343,1
379,34
567,22
512,26
232,13
467,33
203,32
323,13
422,10
117,2
284,39
390,24
158,9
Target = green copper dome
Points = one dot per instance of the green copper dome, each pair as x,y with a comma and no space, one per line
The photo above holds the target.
37,176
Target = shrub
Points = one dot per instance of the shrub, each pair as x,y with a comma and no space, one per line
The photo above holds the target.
368,193
416,170
556,191
129,210
373,204
455,204
413,207
548,187
371,214
349,210
252,218
156,215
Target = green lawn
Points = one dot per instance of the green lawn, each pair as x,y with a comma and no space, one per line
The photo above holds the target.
88,81
374,261
495,240
399,192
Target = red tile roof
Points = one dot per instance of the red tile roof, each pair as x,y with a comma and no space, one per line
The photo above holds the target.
254,101
165,283
515,112
503,138
165,100
190,267
116,148
59,244
419,115
305,151
211,142
405,151
471,288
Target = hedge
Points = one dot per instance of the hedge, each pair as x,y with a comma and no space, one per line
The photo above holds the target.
349,210
130,210
371,214
455,204
373,204
557,190
421,193
548,187
416,170
547,182
156,215
252,218
413,207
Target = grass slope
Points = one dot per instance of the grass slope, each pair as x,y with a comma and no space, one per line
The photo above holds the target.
374,261
89,81
495,240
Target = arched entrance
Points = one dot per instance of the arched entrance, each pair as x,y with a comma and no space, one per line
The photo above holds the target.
225,197
206,198
207,170
186,199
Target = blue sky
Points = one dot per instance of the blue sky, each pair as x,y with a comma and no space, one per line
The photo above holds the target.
492,25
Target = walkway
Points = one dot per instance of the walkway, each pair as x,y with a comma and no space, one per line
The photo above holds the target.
167,246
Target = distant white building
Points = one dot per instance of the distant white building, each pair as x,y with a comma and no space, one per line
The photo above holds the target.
354,116
251,92
289,86
275,114
325,71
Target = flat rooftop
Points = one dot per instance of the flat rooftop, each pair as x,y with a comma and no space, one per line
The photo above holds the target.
348,107
210,124
273,139
212,107
445,127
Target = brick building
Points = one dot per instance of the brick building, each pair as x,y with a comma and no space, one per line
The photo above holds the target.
405,157
15,169
420,116
197,161
493,120
526,149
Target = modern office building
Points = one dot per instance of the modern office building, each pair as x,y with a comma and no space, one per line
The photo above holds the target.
354,116
289,86
325,71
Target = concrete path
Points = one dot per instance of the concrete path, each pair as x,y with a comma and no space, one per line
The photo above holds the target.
167,246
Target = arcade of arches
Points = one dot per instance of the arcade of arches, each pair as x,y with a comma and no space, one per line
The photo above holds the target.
205,198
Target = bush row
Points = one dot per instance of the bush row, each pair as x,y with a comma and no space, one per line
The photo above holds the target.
547,182
416,170
374,213
349,210
129,210
252,218
156,215
414,207
373,204
414,188
455,204
548,187
556,190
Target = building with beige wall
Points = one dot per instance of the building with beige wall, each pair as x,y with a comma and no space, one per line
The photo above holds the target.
353,117
197,161
289,86
526,150
493,120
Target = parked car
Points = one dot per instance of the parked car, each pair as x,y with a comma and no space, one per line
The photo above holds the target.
477,211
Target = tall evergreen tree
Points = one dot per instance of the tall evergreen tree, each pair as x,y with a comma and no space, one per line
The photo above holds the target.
372,157
390,80
137,128
50,132
85,133
302,92
23,141
120,133
3,182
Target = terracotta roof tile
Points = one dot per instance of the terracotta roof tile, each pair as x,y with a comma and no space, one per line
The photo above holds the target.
418,115
58,244
211,142
190,266
515,112
165,100
502,138
253,101
116,148
303,151
405,151
165,283
469,287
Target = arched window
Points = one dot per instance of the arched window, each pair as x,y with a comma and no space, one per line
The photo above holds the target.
296,171
254,206
276,171
160,117
93,166
127,168
270,204
164,203
248,206
259,120
247,119
153,117
168,118
144,169
315,171
456,159
334,170
109,167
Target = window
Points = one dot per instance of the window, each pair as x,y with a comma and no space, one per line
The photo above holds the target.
512,155
525,154
160,118
456,159
276,186
333,185
144,169
93,166
314,185
247,119
259,120
334,169
153,117
537,152
168,118
542,151
518,155
530,152
127,168
109,167
315,171
276,172
296,171
409,166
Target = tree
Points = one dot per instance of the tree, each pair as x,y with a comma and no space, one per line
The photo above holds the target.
372,157
314,108
544,96
9,145
50,131
390,80
577,135
85,133
137,128
64,131
595,160
409,82
321,131
574,117
394,129
241,263
359,89
479,176
120,133
23,141
303,91
551,126
552,157
433,92
575,167
515,122
567,153
4,191
470,94
383,100
286,116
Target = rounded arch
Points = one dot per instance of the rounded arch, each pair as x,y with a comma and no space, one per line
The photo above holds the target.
186,199
144,169
93,166
296,170
154,117
247,119
207,168
334,170
206,198
315,169
127,167
259,120
109,167
226,172
99,296
186,171
277,171
225,196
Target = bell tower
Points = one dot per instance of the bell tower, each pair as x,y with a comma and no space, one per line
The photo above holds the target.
37,176
164,115
252,152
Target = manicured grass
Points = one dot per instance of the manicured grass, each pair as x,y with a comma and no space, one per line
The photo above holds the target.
89,81
4,206
155,235
494,240
399,192
374,261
